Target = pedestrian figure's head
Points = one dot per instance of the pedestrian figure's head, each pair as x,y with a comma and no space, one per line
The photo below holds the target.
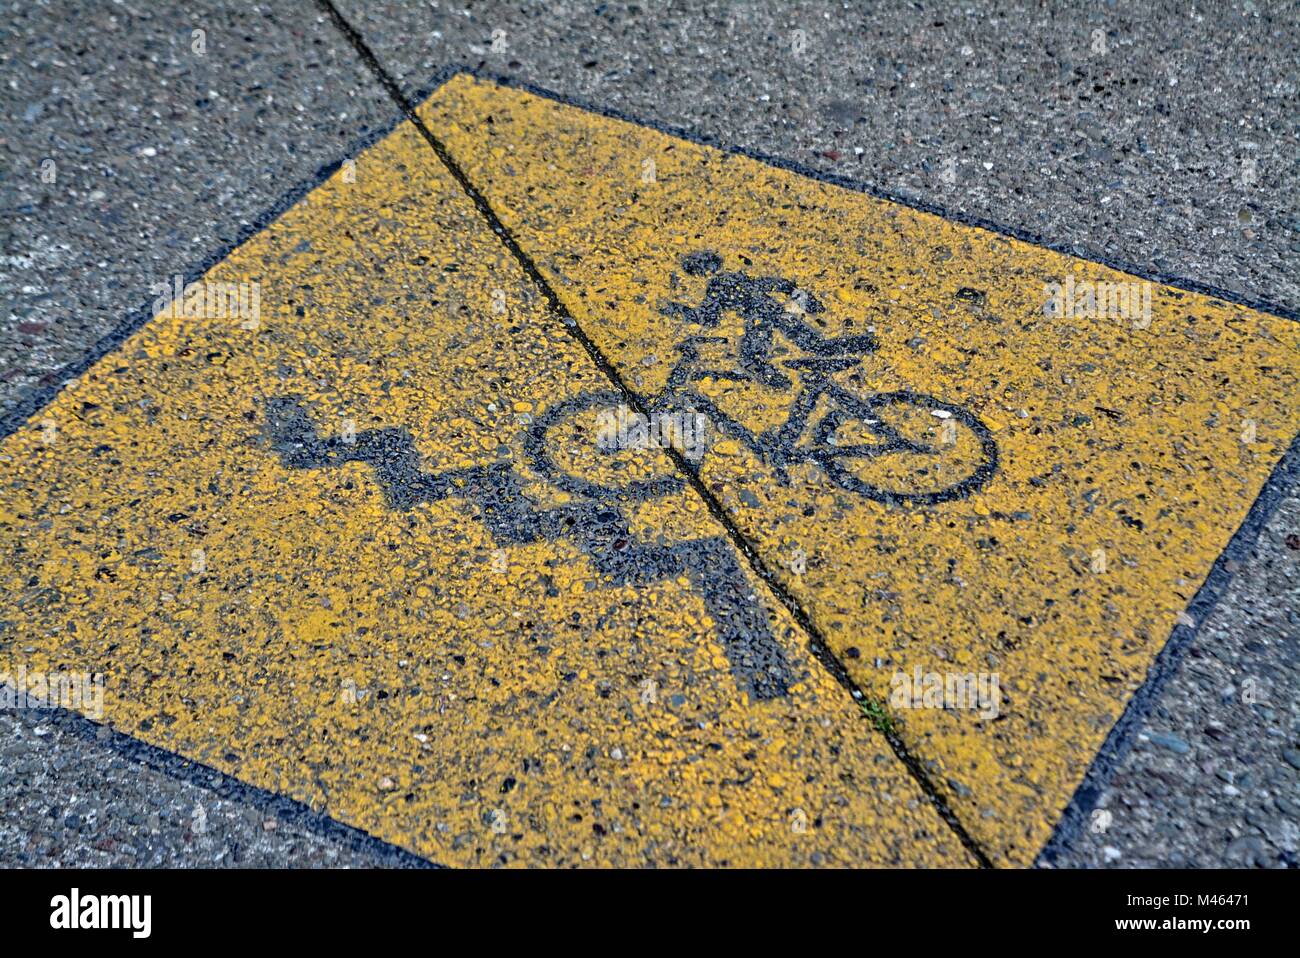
701,263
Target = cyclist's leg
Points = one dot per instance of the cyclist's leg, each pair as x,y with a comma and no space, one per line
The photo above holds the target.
756,350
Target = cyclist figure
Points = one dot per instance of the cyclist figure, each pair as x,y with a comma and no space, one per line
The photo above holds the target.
752,298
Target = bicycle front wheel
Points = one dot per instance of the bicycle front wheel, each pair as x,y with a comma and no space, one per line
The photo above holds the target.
903,447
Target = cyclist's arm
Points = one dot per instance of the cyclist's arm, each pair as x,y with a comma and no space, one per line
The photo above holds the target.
706,314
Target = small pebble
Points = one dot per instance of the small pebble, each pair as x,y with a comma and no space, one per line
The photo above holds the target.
1171,742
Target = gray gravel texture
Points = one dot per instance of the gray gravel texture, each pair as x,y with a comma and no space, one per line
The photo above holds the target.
1170,143
71,796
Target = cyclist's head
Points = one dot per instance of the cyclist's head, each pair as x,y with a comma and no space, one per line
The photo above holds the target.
702,263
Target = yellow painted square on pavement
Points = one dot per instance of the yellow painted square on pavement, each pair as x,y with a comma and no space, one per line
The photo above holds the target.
330,524
993,474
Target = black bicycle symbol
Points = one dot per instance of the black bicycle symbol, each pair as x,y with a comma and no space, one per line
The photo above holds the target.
889,447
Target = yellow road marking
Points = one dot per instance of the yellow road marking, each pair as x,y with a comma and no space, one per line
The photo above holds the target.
1093,462
313,549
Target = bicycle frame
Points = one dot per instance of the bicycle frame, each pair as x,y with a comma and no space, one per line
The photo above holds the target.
780,449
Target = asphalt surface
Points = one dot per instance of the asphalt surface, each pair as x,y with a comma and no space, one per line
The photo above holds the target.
1167,144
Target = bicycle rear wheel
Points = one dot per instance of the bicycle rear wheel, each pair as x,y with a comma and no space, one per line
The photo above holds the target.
569,445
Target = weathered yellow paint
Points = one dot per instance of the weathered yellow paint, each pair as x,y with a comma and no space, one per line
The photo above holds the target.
1120,444
399,668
